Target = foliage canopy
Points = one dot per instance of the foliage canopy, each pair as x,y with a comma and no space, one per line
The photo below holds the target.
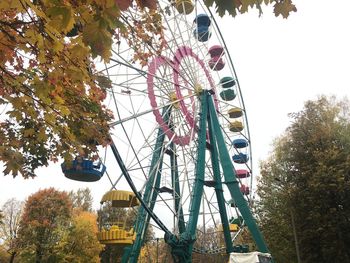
50,91
305,186
51,231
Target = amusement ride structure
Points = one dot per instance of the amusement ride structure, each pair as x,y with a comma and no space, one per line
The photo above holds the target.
180,151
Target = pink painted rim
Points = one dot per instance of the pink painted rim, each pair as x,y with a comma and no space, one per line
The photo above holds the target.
152,69
180,53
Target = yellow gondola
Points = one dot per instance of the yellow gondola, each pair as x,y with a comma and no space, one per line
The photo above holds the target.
236,126
116,236
235,112
111,231
232,227
120,198
184,6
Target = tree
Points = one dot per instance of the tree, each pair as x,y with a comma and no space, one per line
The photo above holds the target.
80,243
46,217
51,231
305,186
49,81
275,204
81,199
12,210
3,253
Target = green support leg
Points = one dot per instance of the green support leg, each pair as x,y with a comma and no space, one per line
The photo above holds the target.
218,188
199,170
232,183
182,246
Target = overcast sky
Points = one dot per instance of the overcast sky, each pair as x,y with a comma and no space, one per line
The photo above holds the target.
280,64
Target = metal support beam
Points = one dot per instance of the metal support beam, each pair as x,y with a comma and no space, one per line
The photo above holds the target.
232,183
218,186
182,247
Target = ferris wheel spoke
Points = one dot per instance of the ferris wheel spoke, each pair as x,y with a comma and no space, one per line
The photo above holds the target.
132,117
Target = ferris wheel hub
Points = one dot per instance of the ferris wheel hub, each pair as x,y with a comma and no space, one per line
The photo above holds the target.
198,89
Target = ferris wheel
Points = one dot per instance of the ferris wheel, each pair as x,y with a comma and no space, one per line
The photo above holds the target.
180,151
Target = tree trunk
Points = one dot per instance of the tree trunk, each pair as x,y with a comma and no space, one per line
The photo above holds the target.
38,255
12,258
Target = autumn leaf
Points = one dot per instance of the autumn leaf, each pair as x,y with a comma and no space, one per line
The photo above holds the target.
151,4
104,82
61,18
99,39
284,8
245,4
29,132
80,51
222,6
11,4
123,4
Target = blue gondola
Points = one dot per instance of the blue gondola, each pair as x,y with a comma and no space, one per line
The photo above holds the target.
202,32
84,170
240,158
240,143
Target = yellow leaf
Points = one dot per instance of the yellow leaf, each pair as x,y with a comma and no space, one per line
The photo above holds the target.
246,4
17,102
11,4
64,110
50,118
15,114
42,135
80,51
99,39
28,132
58,100
62,18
